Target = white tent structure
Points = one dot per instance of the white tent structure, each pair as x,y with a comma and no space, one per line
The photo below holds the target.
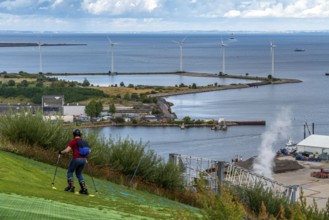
314,143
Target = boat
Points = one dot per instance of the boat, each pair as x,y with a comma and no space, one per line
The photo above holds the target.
291,147
231,37
182,126
327,74
299,50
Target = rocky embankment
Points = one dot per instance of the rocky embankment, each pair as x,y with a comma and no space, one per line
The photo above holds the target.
225,87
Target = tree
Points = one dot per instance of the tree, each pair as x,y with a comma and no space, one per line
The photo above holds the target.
122,84
85,82
194,86
39,84
24,83
112,108
11,83
99,108
94,108
134,96
187,120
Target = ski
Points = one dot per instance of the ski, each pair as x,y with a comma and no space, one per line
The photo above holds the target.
91,195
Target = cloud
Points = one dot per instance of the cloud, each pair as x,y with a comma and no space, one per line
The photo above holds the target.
16,4
33,23
56,3
280,9
99,7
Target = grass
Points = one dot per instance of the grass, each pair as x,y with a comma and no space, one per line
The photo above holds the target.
26,191
113,91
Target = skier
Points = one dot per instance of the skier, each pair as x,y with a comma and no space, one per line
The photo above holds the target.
76,165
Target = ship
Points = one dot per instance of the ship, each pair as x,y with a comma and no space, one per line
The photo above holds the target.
299,50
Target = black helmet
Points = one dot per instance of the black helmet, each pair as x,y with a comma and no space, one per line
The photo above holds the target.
77,132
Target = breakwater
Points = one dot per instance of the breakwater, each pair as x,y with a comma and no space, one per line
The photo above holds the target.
36,45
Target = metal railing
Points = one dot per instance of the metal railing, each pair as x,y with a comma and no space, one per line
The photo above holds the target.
215,172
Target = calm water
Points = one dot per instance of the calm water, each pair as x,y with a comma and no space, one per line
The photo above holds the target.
250,53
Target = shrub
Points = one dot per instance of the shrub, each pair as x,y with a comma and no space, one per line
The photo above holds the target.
11,83
223,206
33,130
258,196
125,155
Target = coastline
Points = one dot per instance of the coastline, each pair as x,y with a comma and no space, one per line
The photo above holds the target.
227,123
260,81
166,106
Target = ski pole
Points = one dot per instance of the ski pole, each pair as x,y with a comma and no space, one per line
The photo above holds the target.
91,176
53,183
139,162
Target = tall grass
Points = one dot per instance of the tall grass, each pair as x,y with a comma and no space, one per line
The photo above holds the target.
265,204
31,129
223,206
122,155
254,197
126,156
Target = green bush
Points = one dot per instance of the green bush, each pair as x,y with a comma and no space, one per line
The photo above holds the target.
124,155
223,206
33,130
253,197
72,94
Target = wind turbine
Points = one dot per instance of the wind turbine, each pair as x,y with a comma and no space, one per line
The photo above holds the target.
180,44
272,53
112,44
40,57
223,55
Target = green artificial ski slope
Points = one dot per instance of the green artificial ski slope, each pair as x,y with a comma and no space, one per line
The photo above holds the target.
26,193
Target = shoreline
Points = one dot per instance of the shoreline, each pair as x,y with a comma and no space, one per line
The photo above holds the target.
227,123
260,81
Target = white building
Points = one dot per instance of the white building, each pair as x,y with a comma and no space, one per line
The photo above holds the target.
76,110
314,143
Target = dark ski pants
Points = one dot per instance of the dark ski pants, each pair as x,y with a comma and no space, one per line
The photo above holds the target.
76,165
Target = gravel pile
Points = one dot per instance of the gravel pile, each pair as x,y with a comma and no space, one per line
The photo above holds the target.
280,166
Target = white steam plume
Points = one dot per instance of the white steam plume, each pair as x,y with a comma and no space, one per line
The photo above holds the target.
279,130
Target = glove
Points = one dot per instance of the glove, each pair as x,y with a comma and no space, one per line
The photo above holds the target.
60,152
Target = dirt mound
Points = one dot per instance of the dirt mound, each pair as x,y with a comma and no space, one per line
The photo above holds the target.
280,166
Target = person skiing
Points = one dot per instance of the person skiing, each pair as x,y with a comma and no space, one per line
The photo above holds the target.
76,165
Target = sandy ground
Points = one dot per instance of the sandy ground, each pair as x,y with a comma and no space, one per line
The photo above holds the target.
313,188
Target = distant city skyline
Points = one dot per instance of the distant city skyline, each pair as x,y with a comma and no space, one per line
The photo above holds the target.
106,16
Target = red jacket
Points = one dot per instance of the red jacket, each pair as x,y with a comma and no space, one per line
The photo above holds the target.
74,146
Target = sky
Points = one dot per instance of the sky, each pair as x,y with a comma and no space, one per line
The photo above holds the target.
104,16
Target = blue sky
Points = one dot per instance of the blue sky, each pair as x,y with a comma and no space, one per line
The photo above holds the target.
164,15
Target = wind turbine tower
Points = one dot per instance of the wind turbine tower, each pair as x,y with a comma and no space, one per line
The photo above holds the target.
223,55
180,44
112,54
272,53
40,57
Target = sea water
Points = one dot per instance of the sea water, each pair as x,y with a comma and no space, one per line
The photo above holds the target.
247,54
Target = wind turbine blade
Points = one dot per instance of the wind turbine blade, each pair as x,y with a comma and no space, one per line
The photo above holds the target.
184,39
109,39
176,42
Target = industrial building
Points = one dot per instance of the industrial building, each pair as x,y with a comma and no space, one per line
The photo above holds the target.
315,144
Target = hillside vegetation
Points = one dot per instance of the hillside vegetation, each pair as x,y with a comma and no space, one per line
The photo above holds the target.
26,193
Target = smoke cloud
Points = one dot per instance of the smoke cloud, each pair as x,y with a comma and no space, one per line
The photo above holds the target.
279,130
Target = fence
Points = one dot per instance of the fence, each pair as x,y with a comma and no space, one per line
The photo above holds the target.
215,172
